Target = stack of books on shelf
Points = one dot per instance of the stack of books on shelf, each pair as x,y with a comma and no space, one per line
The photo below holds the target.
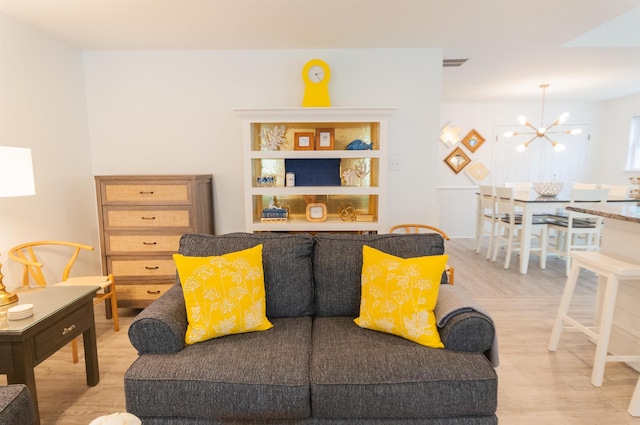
274,214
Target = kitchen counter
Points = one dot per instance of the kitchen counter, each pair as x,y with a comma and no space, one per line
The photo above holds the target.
618,211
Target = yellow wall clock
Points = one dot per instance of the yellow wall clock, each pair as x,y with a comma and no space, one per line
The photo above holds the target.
316,75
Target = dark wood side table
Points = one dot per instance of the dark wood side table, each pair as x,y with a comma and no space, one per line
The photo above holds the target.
60,315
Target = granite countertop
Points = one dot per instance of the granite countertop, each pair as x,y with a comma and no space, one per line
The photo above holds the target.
617,211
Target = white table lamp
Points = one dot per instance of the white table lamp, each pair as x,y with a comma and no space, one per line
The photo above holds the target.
16,179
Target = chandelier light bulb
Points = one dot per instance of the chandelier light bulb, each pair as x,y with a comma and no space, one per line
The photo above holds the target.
522,119
521,147
576,131
563,118
509,134
559,147
541,131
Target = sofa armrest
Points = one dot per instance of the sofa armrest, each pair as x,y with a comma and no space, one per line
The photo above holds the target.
161,327
16,405
464,325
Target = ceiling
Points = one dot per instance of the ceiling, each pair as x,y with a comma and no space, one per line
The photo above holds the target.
587,50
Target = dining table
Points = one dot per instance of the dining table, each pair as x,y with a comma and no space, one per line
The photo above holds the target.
531,203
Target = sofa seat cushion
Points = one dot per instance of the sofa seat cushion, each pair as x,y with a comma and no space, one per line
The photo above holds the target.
359,373
16,405
259,376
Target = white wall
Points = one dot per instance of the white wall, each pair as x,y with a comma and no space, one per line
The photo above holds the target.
164,112
615,142
42,107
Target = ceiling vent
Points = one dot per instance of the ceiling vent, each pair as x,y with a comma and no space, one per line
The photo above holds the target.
447,63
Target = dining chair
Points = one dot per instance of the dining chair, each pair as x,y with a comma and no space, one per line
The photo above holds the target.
579,185
425,228
519,186
577,231
488,216
617,191
32,269
509,229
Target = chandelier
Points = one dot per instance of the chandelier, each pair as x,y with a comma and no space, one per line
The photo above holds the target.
542,132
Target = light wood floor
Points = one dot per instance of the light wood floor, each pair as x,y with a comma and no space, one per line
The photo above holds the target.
535,386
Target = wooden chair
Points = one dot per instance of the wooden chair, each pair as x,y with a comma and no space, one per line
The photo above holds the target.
425,228
25,254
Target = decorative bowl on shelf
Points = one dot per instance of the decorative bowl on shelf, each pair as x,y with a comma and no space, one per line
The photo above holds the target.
547,188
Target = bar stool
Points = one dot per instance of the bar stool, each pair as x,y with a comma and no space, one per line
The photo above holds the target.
612,270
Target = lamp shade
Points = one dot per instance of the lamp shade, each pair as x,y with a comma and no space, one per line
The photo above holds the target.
16,172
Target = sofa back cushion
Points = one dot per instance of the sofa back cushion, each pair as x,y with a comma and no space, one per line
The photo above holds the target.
286,260
337,265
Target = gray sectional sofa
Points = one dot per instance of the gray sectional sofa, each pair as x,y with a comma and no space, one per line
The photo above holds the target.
315,366
16,405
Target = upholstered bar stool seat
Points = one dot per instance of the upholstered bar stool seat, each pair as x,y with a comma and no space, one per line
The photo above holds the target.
612,270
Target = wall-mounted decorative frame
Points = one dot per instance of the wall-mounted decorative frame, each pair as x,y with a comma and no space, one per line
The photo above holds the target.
325,139
477,172
457,160
473,140
304,141
449,135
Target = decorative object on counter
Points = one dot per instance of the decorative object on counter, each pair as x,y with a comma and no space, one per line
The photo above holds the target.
266,180
304,142
316,75
477,172
473,140
635,191
449,135
120,418
359,145
353,176
551,188
542,131
457,160
325,139
274,213
20,312
316,211
272,139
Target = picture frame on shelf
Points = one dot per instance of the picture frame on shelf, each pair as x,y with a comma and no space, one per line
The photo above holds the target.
316,212
473,140
325,139
304,141
457,160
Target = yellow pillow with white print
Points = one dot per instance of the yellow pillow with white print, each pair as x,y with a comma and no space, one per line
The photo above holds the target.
224,295
400,294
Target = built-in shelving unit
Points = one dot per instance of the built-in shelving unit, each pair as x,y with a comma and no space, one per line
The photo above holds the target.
349,184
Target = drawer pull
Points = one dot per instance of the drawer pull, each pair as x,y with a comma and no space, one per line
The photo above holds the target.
153,292
69,329
146,193
148,218
151,268
149,243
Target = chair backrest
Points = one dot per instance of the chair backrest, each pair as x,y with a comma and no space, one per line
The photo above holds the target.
578,185
505,205
487,200
617,191
589,196
519,186
418,228
25,254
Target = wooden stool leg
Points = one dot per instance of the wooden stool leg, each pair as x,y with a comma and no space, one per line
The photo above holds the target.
604,333
114,310
634,405
569,287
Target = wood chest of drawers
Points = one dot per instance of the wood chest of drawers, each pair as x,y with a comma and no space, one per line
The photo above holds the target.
141,221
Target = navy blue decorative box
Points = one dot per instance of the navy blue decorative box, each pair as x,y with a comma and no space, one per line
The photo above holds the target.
315,172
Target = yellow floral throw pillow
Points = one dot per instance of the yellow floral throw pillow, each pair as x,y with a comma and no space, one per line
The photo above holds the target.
399,295
224,295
